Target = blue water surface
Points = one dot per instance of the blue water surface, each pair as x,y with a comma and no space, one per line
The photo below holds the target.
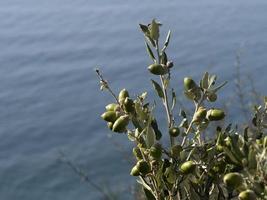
49,93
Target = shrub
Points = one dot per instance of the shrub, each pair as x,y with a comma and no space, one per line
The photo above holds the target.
231,164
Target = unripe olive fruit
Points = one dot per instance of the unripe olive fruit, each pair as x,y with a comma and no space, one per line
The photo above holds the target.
212,97
155,151
120,124
135,171
122,95
174,131
112,107
110,125
128,105
143,167
233,180
189,83
157,69
109,116
200,114
215,115
137,153
247,195
188,167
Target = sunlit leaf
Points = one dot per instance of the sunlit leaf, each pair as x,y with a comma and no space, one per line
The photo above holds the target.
154,30
150,52
158,89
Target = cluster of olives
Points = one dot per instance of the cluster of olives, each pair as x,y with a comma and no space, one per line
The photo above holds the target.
117,114
235,181
193,91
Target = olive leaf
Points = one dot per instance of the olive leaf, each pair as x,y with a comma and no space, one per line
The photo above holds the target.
205,81
212,80
154,30
232,157
144,184
163,58
149,195
144,29
167,39
131,136
219,87
150,52
252,162
150,137
173,99
158,88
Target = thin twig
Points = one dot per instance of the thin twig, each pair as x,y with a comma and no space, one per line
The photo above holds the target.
105,84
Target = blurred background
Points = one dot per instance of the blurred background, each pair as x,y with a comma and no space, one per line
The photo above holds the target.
49,93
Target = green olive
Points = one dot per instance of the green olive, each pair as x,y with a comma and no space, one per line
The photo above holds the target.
212,97
120,124
112,107
135,171
109,116
143,167
200,114
122,95
188,167
233,180
157,69
155,151
215,115
189,83
128,105
174,131
247,195
137,153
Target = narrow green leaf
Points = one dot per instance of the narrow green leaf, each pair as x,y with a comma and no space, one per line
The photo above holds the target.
152,42
131,136
149,195
231,156
143,183
158,89
167,39
154,30
219,87
150,52
163,58
212,80
150,137
246,134
144,29
173,99
205,81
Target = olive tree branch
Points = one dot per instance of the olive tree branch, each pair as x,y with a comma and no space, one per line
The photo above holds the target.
165,97
104,83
